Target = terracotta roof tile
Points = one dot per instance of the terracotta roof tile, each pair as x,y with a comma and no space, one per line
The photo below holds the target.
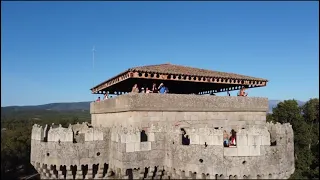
184,70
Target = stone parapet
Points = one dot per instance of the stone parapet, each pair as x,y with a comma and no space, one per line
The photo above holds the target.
179,103
122,154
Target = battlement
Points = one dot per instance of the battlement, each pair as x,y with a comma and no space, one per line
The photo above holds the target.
168,135
262,150
74,133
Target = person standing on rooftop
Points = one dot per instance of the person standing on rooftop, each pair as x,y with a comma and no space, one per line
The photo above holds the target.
135,89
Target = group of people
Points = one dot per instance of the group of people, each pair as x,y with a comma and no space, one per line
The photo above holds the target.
135,89
240,93
106,96
160,89
229,140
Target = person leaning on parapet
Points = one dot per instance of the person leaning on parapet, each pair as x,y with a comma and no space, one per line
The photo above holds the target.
242,92
98,100
105,96
233,138
154,88
148,90
135,89
142,90
163,89
225,139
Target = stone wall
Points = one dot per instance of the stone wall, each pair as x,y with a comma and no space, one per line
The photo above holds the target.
140,136
55,153
253,157
179,103
162,154
211,119
213,111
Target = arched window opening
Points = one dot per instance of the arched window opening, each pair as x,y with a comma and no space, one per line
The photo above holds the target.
143,136
185,137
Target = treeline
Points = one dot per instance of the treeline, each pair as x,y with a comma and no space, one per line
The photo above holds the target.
305,124
16,129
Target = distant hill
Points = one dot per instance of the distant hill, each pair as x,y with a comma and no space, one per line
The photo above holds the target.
71,106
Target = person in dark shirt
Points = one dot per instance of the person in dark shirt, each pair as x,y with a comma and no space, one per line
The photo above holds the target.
154,88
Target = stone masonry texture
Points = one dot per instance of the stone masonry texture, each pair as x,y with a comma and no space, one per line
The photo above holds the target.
140,136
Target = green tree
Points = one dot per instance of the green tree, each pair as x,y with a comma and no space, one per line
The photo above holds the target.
287,111
304,121
311,116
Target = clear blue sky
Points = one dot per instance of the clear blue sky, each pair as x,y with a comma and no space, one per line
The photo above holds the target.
46,46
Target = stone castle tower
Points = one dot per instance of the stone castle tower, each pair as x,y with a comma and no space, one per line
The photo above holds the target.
179,135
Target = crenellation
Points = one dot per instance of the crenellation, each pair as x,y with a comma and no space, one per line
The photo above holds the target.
158,143
37,132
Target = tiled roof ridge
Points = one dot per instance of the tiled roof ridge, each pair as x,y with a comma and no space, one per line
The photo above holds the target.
202,71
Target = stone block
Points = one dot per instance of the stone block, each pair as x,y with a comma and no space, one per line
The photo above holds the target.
205,139
243,150
151,137
97,135
242,140
254,140
169,116
113,136
135,137
130,147
219,170
254,150
123,138
86,161
237,123
137,146
145,146
128,138
88,136
265,139
217,140
259,122
233,171
193,117
230,151
156,118
194,139
218,123
116,137
159,136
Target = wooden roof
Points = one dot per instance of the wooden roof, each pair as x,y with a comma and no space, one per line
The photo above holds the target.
180,73
190,71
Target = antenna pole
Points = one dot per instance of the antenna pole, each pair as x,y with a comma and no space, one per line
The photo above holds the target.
93,50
